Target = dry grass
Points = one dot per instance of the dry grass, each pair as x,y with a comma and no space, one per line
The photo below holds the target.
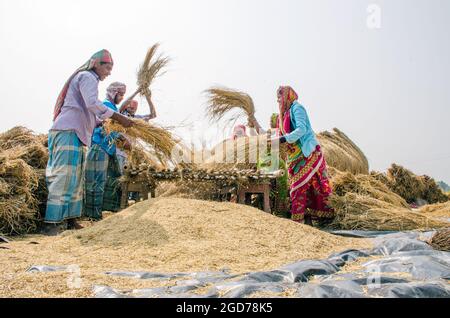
342,153
412,187
152,67
344,182
23,158
362,212
158,140
222,101
437,210
164,235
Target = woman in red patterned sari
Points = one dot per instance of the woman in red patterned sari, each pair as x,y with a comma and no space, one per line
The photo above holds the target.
308,179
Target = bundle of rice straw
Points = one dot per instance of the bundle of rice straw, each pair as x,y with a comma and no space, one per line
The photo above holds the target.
22,143
159,141
437,210
23,190
405,183
342,153
151,68
362,212
345,182
18,203
222,100
412,187
441,240
432,192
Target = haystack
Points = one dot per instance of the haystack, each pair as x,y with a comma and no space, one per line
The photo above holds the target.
366,185
432,193
23,191
21,143
412,187
362,212
439,210
342,153
18,201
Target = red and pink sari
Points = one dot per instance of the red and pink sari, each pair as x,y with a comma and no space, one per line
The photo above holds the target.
308,179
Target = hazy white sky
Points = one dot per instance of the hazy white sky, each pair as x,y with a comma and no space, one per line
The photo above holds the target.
386,88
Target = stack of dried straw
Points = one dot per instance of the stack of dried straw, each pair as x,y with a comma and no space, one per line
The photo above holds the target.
410,186
441,240
342,153
362,202
23,193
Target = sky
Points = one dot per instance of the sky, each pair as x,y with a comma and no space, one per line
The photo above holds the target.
383,83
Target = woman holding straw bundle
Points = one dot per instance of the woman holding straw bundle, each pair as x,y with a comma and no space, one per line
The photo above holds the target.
308,179
76,114
102,164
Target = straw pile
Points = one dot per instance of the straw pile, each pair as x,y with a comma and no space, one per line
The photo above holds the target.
412,187
158,141
23,192
439,210
366,185
363,202
222,100
441,240
342,153
432,193
362,212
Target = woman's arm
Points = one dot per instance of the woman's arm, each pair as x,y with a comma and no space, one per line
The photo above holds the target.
151,106
300,116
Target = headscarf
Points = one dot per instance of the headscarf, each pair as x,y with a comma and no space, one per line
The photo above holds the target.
102,56
237,129
114,89
288,97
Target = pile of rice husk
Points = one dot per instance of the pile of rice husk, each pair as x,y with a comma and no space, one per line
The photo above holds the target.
362,212
441,240
168,236
439,210
342,153
410,186
23,192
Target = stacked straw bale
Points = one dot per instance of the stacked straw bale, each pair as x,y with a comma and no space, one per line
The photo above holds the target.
23,193
342,153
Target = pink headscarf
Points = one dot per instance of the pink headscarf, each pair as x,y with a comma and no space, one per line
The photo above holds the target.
237,130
